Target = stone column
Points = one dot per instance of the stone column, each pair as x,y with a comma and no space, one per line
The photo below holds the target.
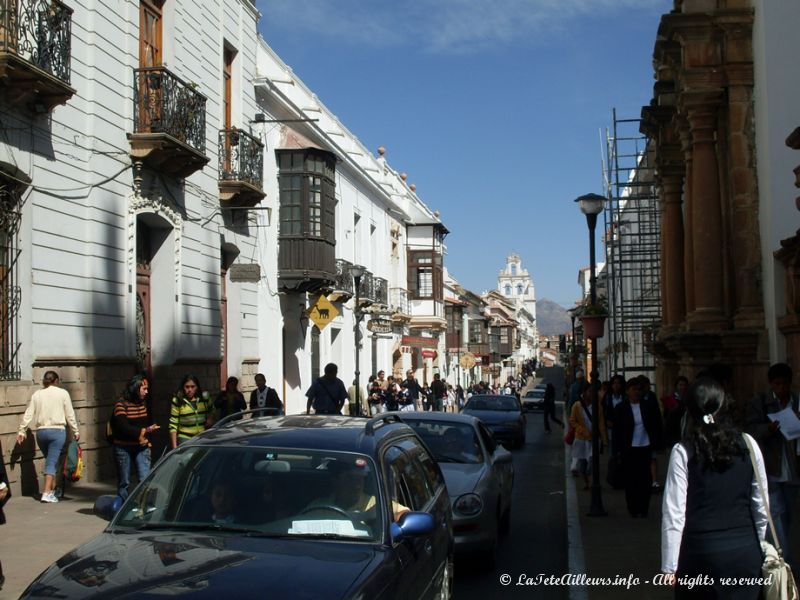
688,205
672,241
706,214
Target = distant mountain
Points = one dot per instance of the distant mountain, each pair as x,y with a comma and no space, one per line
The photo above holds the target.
552,318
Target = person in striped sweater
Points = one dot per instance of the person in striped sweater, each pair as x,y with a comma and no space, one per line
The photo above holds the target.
190,411
130,426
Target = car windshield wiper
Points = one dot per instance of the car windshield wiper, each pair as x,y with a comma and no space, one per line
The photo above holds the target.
194,527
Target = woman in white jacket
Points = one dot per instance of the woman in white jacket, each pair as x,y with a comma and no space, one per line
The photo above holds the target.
713,513
48,412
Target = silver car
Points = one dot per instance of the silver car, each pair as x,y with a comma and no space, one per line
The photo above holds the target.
479,475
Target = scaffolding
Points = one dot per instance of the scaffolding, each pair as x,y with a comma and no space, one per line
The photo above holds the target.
632,247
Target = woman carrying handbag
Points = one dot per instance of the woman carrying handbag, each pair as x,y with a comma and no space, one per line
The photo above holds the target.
714,515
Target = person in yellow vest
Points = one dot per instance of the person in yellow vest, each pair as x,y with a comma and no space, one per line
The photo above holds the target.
190,411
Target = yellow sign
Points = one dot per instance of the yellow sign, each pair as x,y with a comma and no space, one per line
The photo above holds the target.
467,360
322,312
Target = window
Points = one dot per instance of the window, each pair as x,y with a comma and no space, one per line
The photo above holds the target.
507,289
425,275
513,270
475,332
9,289
519,289
150,33
307,193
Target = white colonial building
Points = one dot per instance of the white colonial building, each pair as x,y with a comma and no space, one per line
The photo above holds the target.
515,283
175,200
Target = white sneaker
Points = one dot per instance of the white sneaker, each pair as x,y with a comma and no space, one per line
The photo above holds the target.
49,497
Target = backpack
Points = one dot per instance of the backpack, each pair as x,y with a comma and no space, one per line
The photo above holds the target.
73,465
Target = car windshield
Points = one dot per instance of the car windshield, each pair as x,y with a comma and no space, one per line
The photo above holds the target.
260,491
449,442
507,403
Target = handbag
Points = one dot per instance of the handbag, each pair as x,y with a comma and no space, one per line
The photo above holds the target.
74,465
779,583
569,437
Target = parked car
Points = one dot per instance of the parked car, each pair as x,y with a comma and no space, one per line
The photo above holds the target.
502,415
291,507
533,399
479,475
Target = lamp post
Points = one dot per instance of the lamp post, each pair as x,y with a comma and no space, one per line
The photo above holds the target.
591,205
357,271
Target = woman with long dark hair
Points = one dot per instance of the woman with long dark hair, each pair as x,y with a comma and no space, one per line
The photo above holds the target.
190,411
130,426
713,512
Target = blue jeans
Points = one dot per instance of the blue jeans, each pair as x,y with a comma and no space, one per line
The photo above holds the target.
51,441
125,457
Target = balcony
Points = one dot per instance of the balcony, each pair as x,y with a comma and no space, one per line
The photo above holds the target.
380,289
398,304
169,123
479,349
35,53
343,287
241,168
366,290
452,340
305,263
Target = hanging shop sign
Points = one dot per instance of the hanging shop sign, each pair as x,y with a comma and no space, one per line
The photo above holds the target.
379,326
429,353
467,360
419,342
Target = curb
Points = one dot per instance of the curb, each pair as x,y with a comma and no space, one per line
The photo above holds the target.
575,554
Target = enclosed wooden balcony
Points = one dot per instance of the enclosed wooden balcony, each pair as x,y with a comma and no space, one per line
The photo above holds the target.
479,349
35,53
169,123
241,168
398,304
305,263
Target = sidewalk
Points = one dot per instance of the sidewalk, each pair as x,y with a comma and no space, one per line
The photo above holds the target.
618,545
37,534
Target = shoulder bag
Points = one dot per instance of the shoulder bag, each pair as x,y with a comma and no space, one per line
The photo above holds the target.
779,582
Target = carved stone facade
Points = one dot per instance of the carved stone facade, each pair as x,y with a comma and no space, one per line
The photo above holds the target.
702,121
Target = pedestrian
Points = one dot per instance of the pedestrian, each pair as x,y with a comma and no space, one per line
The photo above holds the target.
190,411
414,388
389,398
229,401
674,411
327,394
265,397
712,504
649,396
5,494
780,454
427,397
375,398
581,421
130,426
575,389
404,401
439,389
549,407
357,406
48,412
460,396
382,381
612,399
638,432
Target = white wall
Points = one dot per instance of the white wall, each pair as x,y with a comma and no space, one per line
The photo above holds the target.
775,50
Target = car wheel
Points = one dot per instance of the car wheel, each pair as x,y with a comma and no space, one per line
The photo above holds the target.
446,591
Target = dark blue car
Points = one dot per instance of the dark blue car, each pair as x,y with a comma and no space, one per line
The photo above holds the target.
280,507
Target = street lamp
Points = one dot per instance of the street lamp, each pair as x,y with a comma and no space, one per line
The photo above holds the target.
591,205
357,271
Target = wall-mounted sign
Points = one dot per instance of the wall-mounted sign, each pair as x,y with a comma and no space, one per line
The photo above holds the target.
429,353
379,326
419,342
249,272
467,360
322,312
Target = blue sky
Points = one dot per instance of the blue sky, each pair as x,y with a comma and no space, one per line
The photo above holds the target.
493,107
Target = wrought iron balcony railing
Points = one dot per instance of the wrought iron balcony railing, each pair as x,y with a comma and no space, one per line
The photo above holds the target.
343,280
39,32
164,103
241,157
380,289
366,289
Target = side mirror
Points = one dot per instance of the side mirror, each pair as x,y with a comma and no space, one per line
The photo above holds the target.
502,456
413,524
106,507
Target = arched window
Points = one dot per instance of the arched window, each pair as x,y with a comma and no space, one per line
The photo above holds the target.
507,291
514,270
519,289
